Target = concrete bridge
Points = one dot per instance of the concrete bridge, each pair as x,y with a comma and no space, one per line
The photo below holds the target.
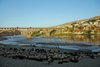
29,31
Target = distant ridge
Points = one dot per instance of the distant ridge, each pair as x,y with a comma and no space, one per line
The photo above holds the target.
78,21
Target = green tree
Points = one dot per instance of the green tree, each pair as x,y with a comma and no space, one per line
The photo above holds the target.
73,27
80,27
35,33
88,32
95,32
67,27
71,30
92,28
87,21
93,20
73,23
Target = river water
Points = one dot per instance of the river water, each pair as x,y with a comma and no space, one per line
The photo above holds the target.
78,39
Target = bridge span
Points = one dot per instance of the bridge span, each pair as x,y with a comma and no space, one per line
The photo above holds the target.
30,30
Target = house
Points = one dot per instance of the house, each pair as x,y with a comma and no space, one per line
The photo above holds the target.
85,24
95,23
76,24
98,22
82,21
91,23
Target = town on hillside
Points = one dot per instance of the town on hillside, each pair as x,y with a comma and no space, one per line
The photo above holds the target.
89,26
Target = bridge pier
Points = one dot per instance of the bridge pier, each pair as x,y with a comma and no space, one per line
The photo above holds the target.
47,34
28,36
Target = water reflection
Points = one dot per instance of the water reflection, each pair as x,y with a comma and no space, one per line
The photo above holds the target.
89,39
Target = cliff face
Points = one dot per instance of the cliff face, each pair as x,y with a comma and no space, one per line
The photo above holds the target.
78,21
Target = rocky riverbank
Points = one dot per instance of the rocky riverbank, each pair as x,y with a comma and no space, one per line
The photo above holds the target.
69,58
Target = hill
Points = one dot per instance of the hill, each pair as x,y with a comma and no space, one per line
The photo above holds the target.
78,21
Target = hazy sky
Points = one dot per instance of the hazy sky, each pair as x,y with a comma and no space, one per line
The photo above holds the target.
45,13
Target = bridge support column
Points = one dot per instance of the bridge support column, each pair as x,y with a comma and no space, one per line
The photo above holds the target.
47,34
28,36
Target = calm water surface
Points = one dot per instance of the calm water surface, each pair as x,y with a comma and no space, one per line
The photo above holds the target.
89,40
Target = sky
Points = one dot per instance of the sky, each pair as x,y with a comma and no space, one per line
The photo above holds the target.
45,13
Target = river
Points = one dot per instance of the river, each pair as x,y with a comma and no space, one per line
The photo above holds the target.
93,40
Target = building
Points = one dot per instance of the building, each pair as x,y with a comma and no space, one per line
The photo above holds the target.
98,22
82,21
91,23
76,24
85,24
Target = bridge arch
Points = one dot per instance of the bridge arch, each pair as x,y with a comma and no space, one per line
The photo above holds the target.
52,32
28,32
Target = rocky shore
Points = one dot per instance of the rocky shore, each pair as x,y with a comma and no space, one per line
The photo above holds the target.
25,56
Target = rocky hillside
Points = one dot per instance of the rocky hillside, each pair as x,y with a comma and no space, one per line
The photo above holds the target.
78,21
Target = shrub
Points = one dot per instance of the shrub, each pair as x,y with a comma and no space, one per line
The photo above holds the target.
92,28
95,32
88,32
